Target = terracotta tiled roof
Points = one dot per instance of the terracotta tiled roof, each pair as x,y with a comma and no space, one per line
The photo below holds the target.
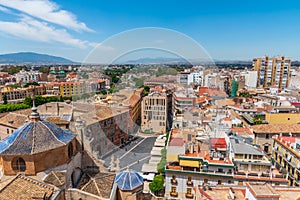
13,120
276,128
56,120
104,112
25,188
134,99
218,143
227,119
176,142
100,185
239,130
56,178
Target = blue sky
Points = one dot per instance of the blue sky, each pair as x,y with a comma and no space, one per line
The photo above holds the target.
225,29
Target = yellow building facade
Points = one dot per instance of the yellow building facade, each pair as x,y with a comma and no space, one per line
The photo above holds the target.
286,155
282,118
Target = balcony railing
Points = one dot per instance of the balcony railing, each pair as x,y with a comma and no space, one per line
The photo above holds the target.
189,183
174,194
190,196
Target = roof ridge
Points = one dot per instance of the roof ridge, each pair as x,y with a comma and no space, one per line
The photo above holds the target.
52,133
85,185
97,188
56,177
33,138
15,139
10,181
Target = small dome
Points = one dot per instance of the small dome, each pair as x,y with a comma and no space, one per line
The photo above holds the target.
35,137
129,180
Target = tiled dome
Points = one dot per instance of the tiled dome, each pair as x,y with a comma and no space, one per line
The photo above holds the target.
129,180
35,137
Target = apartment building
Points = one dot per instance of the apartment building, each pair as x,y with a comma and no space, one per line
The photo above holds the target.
272,72
263,134
186,78
19,94
66,89
154,113
286,155
201,164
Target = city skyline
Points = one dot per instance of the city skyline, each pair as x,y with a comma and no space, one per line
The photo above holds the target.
226,30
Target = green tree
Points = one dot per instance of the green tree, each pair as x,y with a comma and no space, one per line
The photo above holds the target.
104,92
161,165
146,89
31,83
39,100
157,184
45,70
257,119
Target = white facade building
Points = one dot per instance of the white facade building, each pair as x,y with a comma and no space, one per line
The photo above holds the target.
27,76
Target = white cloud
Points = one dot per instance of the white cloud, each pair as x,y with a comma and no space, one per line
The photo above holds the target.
29,28
47,11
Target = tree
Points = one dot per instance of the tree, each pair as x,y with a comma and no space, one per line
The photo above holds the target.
45,70
146,89
4,99
104,92
162,163
157,184
257,119
31,83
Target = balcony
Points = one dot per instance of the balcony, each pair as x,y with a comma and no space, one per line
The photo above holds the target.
190,196
173,181
189,183
174,194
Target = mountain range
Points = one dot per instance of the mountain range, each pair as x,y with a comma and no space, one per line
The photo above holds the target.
32,58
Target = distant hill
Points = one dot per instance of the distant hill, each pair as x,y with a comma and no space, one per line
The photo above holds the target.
32,58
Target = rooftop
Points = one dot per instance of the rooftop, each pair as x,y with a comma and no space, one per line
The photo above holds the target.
25,188
240,147
56,178
262,190
129,180
218,143
100,185
276,128
35,137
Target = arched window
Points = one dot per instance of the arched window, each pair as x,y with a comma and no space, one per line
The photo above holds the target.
19,165
70,150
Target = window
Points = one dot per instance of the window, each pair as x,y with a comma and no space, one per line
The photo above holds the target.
219,182
70,150
173,191
19,165
7,131
288,118
173,180
205,181
267,136
189,181
266,149
189,193
112,131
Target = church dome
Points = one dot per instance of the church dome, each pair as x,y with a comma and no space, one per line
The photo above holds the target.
35,137
129,180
